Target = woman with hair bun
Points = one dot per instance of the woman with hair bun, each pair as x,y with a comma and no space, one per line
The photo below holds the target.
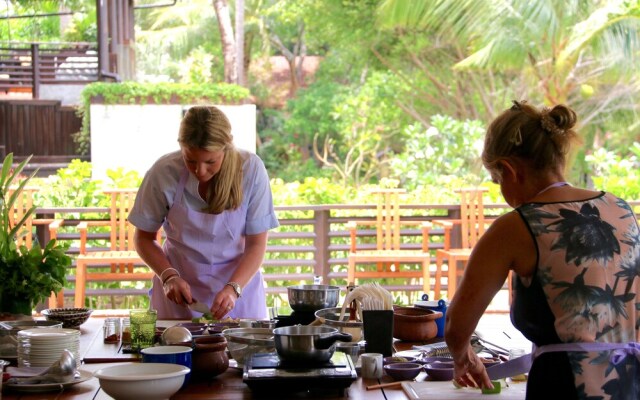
215,205
575,256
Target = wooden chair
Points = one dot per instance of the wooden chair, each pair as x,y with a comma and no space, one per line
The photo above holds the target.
472,225
26,237
121,256
387,253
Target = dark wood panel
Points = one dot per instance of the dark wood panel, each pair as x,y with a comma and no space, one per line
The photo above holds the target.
39,128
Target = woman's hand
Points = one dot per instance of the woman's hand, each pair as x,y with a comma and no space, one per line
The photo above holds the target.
177,290
470,371
224,302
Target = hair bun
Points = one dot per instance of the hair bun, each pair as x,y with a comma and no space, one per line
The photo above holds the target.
558,120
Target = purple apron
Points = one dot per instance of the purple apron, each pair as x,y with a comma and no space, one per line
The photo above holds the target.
205,249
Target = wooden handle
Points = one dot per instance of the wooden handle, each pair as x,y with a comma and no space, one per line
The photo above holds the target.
396,384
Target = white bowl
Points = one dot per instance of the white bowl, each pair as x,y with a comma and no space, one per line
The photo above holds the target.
142,381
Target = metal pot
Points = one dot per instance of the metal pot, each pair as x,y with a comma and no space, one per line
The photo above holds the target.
300,343
310,298
331,318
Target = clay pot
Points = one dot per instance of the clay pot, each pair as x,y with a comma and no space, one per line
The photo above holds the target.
413,324
209,356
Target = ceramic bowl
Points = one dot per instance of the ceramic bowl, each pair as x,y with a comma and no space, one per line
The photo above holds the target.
218,327
414,324
440,370
70,317
403,371
142,381
398,359
427,360
210,356
196,328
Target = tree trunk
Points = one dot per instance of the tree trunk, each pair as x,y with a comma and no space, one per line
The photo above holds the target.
240,43
228,41
295,58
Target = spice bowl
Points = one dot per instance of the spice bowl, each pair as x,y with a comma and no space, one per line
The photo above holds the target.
403,371
440,370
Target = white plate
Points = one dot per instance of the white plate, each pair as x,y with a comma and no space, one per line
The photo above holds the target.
48,333
48,387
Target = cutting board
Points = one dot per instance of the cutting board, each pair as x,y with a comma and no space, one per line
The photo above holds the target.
429,390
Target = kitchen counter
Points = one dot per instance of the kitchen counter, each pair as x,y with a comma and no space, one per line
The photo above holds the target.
229,385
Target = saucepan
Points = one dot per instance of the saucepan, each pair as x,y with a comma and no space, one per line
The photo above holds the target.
304,343
310,298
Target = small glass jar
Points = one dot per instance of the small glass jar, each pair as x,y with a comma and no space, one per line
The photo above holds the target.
111,330
126,331
513,354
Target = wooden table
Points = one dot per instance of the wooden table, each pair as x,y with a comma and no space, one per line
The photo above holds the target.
229,385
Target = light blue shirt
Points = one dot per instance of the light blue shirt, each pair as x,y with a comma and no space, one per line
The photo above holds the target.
158,189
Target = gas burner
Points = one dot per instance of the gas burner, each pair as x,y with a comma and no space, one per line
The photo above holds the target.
263,370
296,318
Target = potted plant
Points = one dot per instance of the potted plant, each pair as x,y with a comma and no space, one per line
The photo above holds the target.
27,276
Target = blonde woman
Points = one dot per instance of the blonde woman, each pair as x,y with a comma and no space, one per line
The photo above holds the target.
575,254
215,205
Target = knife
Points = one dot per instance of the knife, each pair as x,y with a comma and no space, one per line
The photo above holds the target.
200,307
520,365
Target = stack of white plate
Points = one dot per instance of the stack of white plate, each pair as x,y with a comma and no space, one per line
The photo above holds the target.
42,347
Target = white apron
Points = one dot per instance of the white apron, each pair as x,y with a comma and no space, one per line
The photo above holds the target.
205,249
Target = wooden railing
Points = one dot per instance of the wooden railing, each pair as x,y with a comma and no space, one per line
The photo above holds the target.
27,66
311,241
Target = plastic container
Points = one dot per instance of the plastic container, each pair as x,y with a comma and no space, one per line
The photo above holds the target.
440,305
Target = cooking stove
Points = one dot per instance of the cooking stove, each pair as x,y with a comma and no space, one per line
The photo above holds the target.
296,318
264,370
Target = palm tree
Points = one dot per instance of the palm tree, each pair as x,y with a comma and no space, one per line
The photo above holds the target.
576,52
560,46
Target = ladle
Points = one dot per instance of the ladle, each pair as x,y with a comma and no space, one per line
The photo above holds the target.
61,371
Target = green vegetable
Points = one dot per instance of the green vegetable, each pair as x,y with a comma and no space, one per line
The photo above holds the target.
496,388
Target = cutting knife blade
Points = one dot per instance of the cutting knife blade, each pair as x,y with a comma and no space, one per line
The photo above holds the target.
200,307
520,365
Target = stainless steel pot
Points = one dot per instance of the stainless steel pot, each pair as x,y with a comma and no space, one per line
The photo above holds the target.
310,298
331,318
303,343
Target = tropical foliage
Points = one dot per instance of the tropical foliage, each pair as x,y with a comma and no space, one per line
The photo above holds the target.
26,274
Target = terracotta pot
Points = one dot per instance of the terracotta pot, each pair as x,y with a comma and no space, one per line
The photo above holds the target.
209,356
413,324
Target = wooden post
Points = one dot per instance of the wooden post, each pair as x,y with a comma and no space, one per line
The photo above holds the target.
321,243
35,68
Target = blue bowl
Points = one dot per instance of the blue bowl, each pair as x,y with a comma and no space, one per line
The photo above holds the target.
180,355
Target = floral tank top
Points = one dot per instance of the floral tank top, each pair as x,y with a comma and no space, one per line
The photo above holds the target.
586,289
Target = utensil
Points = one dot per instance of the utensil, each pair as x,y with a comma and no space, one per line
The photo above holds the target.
517,366
315,344
175,335
312,297
200,307
61,371
390,385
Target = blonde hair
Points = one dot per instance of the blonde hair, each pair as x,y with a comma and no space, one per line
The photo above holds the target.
540,137
207,128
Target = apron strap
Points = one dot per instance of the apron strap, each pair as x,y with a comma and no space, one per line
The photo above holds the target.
181,185
523,364
620,350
